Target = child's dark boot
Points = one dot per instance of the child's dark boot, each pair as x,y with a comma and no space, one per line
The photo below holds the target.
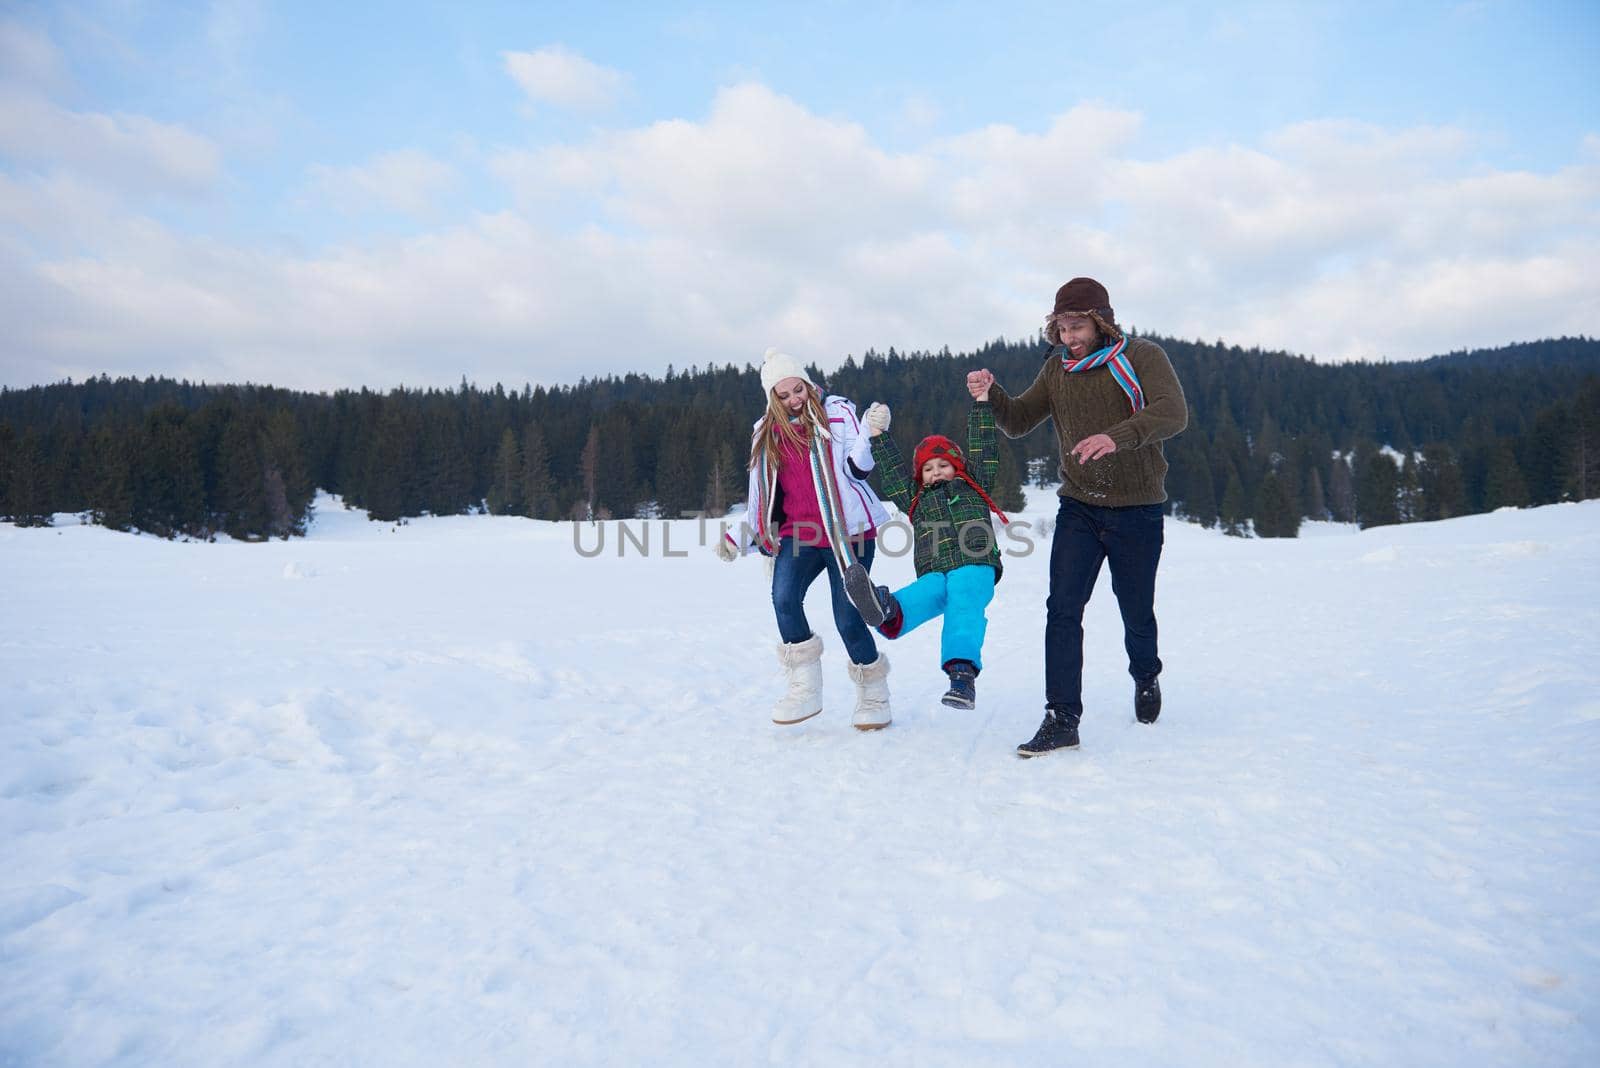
963,692
876,604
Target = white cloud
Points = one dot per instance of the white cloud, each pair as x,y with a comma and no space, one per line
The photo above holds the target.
763,172
761,223
1348,149
133,152
554,75
28,57
1001,175
1401,308
406,181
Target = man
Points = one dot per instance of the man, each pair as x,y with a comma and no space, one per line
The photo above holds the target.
1114,401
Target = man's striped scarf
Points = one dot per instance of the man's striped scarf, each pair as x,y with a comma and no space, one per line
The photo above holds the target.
1121,369
828,501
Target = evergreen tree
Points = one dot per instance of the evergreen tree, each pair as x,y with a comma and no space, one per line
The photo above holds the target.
1316,499
1378,491
1308,457
447,476
1007,483
1268,444
723,484
1547,454
1201,504
1189,479
241,502
8,450
169,494
27,494
111,478
1276,516
205,427
1476,445
589,468
1341,492
1410,503
1585,462
389,488
617,483
1187,466
62,461
286,483
538,496
1443,495
1230,458
676,488
1234,515
505,493
1504,486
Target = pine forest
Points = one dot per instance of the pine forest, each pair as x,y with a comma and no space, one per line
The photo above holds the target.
1273,440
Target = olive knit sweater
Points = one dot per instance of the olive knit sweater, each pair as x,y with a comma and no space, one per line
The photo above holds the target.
1090,403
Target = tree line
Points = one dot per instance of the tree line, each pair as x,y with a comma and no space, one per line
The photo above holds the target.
1273,439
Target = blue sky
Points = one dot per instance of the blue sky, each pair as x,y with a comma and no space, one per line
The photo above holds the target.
342,194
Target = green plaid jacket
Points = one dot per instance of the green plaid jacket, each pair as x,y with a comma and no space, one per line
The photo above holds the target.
952,524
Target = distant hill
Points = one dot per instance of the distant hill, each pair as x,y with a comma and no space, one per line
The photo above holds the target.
1557,353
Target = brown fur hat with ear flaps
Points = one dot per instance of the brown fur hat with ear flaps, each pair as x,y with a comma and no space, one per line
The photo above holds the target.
1083,296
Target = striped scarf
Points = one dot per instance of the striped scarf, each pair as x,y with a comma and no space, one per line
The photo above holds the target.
828,502
1121,369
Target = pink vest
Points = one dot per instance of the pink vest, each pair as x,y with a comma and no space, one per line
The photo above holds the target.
799,497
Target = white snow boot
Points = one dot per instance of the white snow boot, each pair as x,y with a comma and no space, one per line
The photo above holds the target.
872,694
802,666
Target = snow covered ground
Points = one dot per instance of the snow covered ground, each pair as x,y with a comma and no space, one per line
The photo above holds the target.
452,793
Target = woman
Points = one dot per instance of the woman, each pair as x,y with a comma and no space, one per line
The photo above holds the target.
811,510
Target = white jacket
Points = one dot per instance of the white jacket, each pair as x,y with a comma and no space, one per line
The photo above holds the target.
862,509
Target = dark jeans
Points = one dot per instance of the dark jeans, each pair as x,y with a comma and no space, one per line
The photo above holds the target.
1130,539
794,570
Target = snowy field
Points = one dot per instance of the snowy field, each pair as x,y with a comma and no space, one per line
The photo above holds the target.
450,793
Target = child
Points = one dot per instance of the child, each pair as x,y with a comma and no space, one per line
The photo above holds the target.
957,555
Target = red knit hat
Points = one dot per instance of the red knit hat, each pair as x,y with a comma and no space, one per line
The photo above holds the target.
937,446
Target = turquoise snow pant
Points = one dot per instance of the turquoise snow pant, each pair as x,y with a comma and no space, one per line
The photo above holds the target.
961,597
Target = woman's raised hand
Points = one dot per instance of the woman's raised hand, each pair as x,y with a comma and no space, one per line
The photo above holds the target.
877,418
978,383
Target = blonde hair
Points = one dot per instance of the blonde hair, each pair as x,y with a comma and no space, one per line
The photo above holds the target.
776,431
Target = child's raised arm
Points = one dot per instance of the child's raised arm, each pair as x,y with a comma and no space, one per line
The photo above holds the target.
983,446
893,482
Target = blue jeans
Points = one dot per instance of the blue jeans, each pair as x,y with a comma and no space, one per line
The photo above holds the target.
1130,540
961,597
794,569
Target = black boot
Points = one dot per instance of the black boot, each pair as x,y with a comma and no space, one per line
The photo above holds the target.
1058,731
1147,700
963,692
875,603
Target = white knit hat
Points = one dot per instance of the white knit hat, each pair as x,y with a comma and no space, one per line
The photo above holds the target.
776,366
